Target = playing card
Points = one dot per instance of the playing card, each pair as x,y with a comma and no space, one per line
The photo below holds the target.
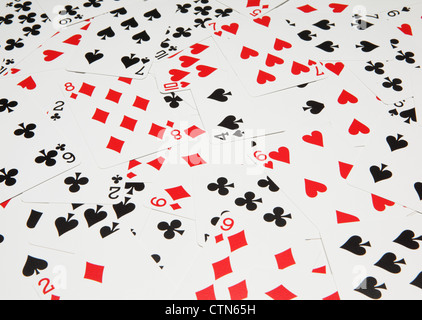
35,152
376,265
141,34
60,276
397,12
55,53
229,113
389,80
233,251
51,273
26,25
97,269
378,6
67,12
67,228
201,61
264,284
268,61
384,79
347,110
252,8
171,190
189,25
171,241
114,135
86,183
108,268
321,25
246,190
404,111
11,243
308,165
388,165
172,186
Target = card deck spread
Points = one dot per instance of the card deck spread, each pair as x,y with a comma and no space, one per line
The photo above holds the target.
210,150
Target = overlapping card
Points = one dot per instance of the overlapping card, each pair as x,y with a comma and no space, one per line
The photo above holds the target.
210,150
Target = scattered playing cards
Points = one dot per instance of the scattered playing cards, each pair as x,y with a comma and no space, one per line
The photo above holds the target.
210,150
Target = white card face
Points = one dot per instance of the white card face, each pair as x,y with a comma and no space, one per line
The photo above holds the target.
379,6
387,79
320,26
69,227
391,80
171,241
86,183
173,173
189,25
143,124
346,108
234,249
51,273
198,63
374,265
33,154
413,105
308,165
99,52
171,190
264,284
242,189
267,63
25,26
63,276
254,8
55,53
387,165
10,244
405,111
68,12
229,113
26,263
87,248
395,11
124,275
